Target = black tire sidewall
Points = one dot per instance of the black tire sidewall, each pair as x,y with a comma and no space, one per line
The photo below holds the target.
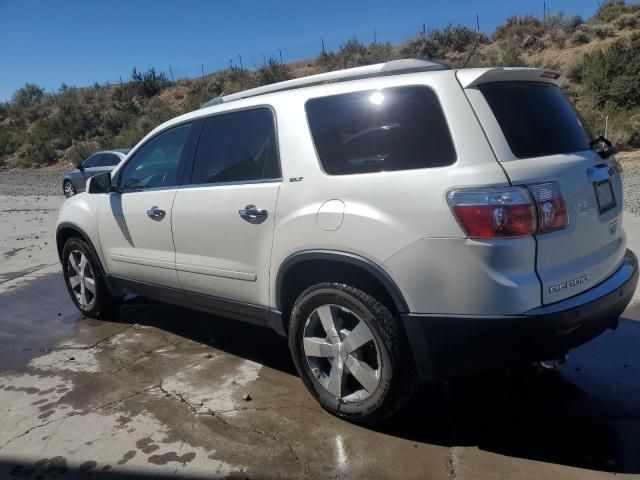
337,294
103,297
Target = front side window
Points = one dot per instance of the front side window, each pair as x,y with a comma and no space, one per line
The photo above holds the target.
156,163
400,128
536,118
237,147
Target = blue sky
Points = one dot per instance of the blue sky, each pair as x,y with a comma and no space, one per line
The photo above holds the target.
81,42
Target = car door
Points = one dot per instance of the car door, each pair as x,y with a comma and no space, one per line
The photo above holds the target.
223,219
134,221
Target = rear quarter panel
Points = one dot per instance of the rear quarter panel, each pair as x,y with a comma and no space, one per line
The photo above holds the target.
384,212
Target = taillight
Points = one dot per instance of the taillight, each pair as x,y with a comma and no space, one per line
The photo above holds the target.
552,211
504,212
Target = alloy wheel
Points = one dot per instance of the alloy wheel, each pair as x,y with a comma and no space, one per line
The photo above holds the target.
69,191
342,352
81,279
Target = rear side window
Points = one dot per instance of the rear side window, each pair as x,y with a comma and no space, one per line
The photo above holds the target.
400,128
536,118
109,160
93,161
237,147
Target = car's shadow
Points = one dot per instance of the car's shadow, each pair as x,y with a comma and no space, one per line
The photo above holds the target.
586,413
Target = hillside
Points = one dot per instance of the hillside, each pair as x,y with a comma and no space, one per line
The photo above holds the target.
600,57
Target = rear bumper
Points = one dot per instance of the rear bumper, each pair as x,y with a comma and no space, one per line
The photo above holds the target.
445,346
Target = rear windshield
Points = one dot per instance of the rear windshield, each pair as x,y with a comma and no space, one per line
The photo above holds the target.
400,128
536,118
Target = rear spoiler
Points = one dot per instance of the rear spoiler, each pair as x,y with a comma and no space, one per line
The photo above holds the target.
472,77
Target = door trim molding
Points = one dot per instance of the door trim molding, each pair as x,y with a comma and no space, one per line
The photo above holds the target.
142,261
216,272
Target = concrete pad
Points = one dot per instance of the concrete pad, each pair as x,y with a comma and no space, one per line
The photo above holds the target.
158,390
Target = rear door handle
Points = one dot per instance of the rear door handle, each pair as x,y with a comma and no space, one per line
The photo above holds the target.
251,213
156,213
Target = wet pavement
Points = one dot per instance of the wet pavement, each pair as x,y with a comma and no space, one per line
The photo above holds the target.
157,392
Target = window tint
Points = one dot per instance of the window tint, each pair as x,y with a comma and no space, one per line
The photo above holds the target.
156,163
238,146
109,160
380,130
536,119
93,161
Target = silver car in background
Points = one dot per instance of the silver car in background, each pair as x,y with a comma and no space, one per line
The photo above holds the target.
74,181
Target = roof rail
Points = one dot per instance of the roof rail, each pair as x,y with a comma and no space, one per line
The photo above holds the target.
394,67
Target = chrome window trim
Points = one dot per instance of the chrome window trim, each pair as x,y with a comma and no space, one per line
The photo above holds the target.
222,184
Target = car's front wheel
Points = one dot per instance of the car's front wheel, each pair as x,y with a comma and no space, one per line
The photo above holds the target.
350,352
68,189
84,279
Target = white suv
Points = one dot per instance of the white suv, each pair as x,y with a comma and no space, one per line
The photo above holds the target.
400,223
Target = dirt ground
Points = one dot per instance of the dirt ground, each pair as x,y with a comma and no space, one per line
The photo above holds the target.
157,392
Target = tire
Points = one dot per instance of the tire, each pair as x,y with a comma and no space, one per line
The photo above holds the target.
386,353
68,189
84,276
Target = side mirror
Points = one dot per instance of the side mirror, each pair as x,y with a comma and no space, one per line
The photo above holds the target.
80,167
100,183
606,152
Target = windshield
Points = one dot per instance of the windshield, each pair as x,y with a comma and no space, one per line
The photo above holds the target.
536,118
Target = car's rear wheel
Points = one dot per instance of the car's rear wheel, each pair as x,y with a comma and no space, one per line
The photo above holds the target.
351,353
68,189
84,280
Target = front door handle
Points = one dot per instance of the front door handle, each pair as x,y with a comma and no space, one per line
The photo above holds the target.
253,214
156,213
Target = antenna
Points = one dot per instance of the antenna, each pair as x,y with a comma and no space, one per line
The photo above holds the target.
473,50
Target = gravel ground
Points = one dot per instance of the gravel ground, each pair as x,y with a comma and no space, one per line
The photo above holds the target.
631,178
31,182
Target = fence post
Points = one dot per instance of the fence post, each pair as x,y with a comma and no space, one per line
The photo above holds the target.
202,65
322,41
240,57
280,52
375,36
171,72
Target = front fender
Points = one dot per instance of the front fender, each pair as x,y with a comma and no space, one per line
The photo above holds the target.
80,213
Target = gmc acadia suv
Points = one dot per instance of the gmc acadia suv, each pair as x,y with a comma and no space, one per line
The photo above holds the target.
400,223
